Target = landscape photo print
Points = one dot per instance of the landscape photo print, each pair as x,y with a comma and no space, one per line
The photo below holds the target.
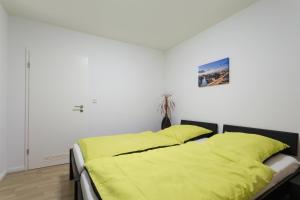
214,73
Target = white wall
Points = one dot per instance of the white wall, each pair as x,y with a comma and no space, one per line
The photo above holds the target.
263,43
126,79
3,90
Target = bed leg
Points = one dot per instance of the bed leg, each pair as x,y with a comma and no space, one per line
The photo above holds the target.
71,174
77,191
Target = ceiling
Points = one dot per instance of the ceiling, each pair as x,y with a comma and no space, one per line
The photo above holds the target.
160,24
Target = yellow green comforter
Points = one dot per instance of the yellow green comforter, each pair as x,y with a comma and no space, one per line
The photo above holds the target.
107,146
190,171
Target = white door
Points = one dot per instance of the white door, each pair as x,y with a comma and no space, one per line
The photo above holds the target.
58,93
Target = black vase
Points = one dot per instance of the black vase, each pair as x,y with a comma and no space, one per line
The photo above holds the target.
165,122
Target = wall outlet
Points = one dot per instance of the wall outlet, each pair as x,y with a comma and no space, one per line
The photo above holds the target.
94,101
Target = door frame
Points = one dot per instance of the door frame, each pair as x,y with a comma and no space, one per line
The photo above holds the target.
28,112
27,105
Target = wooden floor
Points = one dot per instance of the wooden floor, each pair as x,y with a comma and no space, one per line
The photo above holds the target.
40,184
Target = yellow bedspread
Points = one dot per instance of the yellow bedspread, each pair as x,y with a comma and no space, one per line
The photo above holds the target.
103,146
190,171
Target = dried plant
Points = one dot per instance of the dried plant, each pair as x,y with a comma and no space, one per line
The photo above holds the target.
167,105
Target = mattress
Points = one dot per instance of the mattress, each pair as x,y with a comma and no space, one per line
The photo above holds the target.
86,187
283,165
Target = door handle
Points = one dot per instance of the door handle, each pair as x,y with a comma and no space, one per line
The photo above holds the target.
78,108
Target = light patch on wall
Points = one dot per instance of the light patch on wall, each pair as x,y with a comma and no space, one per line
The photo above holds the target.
85,61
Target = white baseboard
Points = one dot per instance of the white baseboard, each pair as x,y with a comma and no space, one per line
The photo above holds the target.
15,169
2,175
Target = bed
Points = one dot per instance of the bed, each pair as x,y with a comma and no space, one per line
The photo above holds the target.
82,184
284,164
88,189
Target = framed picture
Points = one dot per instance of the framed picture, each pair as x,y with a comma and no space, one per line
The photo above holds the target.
214,73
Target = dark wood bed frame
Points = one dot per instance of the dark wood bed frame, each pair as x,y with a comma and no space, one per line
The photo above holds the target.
277,192
211,126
